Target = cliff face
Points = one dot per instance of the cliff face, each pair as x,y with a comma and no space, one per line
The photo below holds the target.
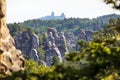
85,35
11,59
71,41
55,46
28,43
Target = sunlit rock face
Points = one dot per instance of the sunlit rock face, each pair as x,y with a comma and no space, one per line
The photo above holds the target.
11,59
55,46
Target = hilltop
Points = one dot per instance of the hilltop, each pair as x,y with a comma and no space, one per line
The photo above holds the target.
53,17
69,24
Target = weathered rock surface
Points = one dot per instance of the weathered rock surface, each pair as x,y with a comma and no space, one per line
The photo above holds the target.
28,42
61,44
70,40
55,46
84,35
11,59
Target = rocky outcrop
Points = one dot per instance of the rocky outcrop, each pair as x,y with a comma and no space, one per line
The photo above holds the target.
70,40
11,59
55,46
52,51
28,42
84,35
61,44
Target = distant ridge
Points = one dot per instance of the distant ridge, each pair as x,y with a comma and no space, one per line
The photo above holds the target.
66,25
53,17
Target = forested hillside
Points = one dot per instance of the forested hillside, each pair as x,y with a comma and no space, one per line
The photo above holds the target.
71,24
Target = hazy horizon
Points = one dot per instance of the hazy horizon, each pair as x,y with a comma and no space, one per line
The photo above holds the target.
22,10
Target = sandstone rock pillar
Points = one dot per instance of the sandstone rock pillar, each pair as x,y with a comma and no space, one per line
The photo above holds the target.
11,59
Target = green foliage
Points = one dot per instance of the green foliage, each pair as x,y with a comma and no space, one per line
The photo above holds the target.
72,56
33,68
55,61
69,25
15,29
41,53
102,54
115,3
32,71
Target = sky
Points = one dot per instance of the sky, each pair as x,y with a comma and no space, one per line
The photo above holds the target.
22,10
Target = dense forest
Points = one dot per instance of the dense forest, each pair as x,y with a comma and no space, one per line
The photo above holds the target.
68,25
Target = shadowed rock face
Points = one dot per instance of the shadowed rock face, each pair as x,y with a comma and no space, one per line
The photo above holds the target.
70,40
28,43
11,59
85,35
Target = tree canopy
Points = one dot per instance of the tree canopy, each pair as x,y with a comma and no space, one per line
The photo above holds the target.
115,3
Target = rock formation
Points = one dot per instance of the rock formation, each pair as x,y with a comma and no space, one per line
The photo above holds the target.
70,39
84,35
55,46
11,59
61,44
53,17
28,42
